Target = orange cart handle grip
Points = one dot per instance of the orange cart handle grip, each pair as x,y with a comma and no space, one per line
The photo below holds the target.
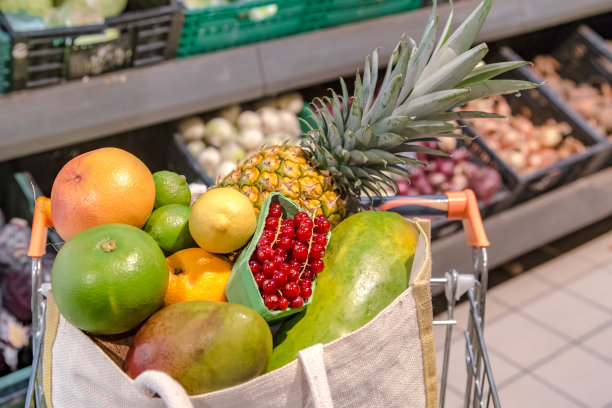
459,205
42,220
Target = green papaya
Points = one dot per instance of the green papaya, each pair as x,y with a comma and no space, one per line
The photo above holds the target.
367,265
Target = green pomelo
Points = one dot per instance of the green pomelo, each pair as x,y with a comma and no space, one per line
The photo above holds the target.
367,265
169,227
110,278
204,345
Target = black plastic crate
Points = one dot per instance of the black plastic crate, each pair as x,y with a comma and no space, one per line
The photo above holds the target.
544,104
155,146
48,57
582,59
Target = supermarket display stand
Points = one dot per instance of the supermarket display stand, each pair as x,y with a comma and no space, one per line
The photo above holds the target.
555,214
135,98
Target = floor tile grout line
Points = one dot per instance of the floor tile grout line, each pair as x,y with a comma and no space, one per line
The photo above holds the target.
544,383
529,371
564,348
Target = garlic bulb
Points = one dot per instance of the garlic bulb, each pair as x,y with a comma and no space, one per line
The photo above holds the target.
249,120
251,139
219,131
231,112
209,159
196,147
289,123
192,128
270,120
293,102
232,152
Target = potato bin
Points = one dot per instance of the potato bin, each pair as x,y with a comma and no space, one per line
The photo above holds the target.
541,145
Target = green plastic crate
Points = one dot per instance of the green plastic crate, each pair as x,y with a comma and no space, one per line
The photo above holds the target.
329,13
237,23
5,63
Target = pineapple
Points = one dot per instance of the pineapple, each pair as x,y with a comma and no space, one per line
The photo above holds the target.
354,148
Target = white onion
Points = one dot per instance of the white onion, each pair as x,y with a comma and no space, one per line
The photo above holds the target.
231,112
209,159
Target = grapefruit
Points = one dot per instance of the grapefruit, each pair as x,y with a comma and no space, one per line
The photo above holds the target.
109,279
107,185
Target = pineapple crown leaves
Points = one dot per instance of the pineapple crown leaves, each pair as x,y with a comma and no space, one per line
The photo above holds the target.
360,141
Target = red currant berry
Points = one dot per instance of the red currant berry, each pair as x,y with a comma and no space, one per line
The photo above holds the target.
288,223
319,239
305,283
278,260
283,303
279,252
269,267
275,210
295,264
268,235
308,274
269,286
291,290
307,222
287,231
305,291
259,279
317,251
264,252
271,301
285,268
317,265
299,217
322,226
280,278
297,303
254,266
303,233
264,242
293,276
284,243
271,224
300,251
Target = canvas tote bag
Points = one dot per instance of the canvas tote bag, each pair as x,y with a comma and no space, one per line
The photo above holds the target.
389,362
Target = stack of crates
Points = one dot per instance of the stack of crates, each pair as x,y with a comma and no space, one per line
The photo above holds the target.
5,62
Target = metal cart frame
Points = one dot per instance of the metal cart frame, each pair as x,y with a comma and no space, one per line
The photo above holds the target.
480,388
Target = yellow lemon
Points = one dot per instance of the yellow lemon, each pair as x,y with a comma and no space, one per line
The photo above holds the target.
222,220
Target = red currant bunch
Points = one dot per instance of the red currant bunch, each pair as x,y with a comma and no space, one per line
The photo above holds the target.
288,257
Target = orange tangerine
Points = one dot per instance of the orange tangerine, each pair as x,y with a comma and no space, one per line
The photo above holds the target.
196,274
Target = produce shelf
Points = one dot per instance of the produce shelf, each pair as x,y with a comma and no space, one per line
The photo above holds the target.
38,120
532,224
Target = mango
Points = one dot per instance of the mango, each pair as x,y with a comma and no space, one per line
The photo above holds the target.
367,265
204,345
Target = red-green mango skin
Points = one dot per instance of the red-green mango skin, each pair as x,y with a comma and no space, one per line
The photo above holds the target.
367,265
204,345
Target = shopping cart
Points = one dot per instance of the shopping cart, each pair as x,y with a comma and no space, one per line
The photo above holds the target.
480,389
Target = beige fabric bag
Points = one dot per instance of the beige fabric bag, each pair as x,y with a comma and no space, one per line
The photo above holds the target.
390,362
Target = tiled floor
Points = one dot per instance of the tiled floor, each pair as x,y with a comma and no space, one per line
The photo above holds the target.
549,333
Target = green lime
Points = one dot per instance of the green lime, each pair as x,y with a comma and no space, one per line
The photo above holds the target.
109,279
170,188
169,227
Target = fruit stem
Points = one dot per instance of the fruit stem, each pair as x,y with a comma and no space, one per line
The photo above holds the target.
312,217
108,245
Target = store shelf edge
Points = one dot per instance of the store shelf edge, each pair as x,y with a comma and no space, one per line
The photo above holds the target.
38,120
